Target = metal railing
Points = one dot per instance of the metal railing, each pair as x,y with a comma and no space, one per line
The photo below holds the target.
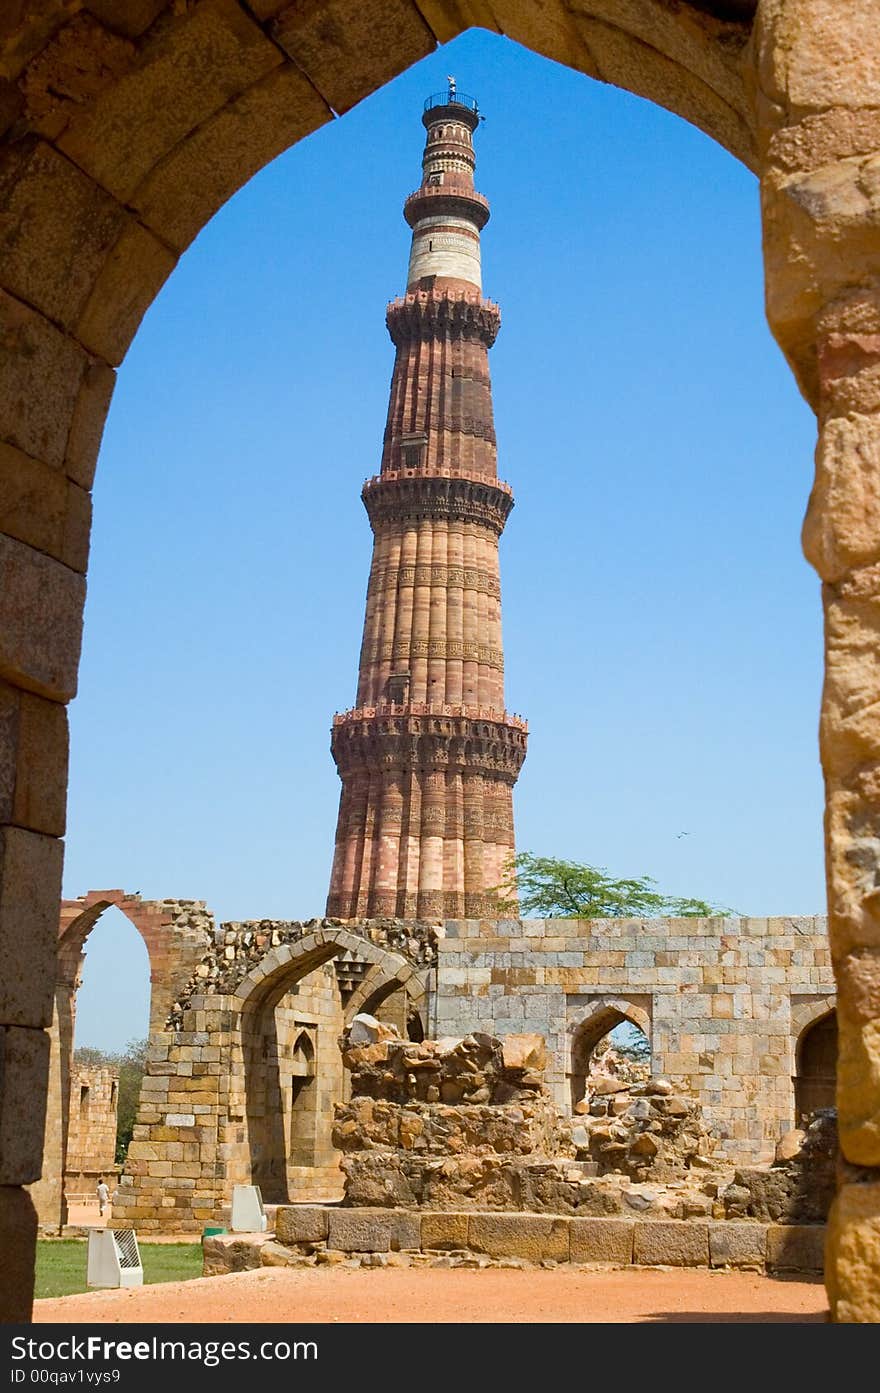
451,97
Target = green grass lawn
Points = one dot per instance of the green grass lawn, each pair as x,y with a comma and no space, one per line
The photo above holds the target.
61,1264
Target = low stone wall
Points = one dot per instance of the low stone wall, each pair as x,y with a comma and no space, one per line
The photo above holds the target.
307,1235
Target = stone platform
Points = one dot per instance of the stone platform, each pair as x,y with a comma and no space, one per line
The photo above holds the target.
308,1235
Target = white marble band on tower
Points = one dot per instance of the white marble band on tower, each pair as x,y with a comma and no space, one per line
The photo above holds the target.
445,246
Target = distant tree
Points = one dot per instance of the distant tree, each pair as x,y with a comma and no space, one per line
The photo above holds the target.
132,1067
131,1064
555,889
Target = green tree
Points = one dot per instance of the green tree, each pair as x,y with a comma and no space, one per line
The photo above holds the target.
555,889
131,1064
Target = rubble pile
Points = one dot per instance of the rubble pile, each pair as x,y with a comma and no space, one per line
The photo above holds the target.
641,1130
799,1187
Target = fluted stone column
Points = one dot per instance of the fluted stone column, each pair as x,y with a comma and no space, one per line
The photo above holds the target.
428,757
818,105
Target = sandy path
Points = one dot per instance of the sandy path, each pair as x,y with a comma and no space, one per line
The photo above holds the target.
450,1295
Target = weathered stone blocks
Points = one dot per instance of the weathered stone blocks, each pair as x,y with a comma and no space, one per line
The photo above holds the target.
795,1247
532,1236
366,1231
18,1238
444,1231
662,1244
735,1244
301,1223
602,1240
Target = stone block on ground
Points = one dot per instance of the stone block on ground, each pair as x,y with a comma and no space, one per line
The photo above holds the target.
374,1230
531,1236
733,1244
231,1252
300,1223
445,1230
795,1247
602,1240
671,1243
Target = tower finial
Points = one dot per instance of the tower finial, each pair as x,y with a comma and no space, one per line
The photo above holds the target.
451,81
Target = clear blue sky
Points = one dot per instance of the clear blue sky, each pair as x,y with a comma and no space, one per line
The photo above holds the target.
661,628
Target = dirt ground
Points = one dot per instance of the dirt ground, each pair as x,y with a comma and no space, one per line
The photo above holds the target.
407,1295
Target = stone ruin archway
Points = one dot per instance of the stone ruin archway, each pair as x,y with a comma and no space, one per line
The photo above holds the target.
244,1074
815,1058
125,127
600,1016
175,934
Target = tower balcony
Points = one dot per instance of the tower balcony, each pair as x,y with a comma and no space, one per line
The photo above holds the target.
451,105
457,200
432,708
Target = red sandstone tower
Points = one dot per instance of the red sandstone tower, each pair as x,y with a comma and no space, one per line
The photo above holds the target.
428,757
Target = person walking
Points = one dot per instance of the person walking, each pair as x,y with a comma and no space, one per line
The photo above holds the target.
103,1193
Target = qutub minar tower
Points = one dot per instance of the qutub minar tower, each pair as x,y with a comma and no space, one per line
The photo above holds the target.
428,757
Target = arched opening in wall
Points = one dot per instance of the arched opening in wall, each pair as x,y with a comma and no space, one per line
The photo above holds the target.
292,1077
304,1102
108,1017
815,1081
195,432
612,1046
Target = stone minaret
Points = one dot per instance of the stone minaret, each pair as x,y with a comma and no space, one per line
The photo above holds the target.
428,757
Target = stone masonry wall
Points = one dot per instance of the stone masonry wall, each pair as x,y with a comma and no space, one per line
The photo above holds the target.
722,1001
91,1134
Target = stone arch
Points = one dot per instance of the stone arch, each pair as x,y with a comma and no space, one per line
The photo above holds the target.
815,1056
288,1115
286,964
382,983
175,934
599,1016
126,127
806,1013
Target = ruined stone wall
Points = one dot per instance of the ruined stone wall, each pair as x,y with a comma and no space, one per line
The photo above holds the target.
91,1132
722,1001
217,1105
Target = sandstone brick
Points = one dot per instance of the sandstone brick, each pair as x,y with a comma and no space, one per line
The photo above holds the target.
40,375
87,422
197,176
444,1230
359,1231
301,1223
671,1243
24,1070
733,1244
190,66
519,1235
40,620
795,1247
30,872
129,280
57,227
602,1240
348,47
18,1239
40,796
33,501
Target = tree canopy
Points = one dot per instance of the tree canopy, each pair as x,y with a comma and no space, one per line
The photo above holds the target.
551,888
